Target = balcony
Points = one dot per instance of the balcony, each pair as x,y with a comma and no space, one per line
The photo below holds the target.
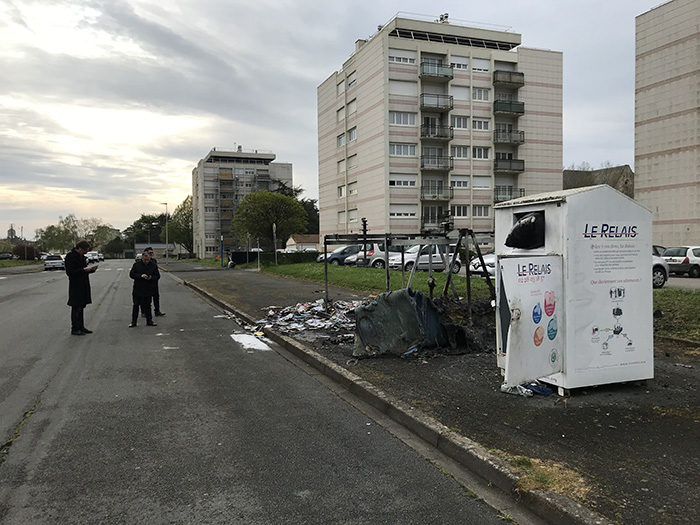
437,132
506,193
436,193
509,107
501,136
440,103
436,72
510,79
436,162
508,166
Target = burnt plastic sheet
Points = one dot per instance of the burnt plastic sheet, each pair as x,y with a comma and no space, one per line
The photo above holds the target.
397,321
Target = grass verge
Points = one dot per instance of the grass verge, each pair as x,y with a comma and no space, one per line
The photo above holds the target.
680,313
373,280
16,262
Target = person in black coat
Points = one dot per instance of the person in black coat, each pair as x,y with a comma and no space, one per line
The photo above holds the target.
145,275
79,296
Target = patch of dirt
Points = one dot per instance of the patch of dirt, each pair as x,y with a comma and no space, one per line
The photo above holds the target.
628,451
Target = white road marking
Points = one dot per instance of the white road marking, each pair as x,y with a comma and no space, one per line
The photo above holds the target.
250,342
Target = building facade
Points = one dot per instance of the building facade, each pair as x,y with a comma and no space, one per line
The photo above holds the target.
667,120
431,121
220,181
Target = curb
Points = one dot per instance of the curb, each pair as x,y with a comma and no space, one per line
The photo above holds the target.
552,507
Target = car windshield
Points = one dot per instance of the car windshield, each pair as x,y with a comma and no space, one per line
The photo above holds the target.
339,249
676,252
53,258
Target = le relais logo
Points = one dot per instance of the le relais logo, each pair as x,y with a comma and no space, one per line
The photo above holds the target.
609,231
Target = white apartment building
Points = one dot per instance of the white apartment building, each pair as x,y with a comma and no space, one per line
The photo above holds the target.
219,182
667,120
429,120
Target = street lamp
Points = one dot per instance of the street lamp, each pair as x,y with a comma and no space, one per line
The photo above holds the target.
166,231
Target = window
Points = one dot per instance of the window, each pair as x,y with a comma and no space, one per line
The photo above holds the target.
479,152
481,64
210,209
460,92
352,107
408,150
341,217
402,118
341,139
352,188
401,87
250,172
210,196
504,155
210,236
341,166
340,114
403,60
460,152
352,215
239,171
403,210
482,182
481,124
340,88
402,180
480,94
459,121
459,181
460,210
402,56
341,192
352,161
481,210
459,62
352,79
352,134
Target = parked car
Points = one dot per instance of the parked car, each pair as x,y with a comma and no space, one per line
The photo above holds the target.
54,262
138,257
375,255
101,256
429,255
659,271
489,261
683,259
658,250
5,256
338,256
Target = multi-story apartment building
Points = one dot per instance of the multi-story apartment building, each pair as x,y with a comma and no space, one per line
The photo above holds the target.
219,182
667,120
429,120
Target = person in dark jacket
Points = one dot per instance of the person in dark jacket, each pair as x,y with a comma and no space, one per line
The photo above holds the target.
156,292
145,275
79,296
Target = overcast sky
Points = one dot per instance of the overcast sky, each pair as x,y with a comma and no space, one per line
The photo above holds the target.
107,105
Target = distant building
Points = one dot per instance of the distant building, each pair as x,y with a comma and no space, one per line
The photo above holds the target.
303,242
432,119
219,182
620,177
667,120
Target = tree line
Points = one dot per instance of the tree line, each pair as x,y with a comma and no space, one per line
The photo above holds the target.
253,219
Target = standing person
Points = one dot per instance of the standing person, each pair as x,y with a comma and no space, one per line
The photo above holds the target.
78,286
145,275
156,293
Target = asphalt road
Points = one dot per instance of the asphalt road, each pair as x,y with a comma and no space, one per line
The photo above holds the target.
180,423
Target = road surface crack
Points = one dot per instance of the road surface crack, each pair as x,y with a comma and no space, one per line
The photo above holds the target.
5,448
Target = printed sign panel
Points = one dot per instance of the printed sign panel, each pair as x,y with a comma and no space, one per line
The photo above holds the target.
533,289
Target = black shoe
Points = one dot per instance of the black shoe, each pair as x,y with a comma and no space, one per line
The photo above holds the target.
160,314
132,325
86,331
151,324
76,332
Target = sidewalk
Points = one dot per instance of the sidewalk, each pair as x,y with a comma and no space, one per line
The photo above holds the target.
628,452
